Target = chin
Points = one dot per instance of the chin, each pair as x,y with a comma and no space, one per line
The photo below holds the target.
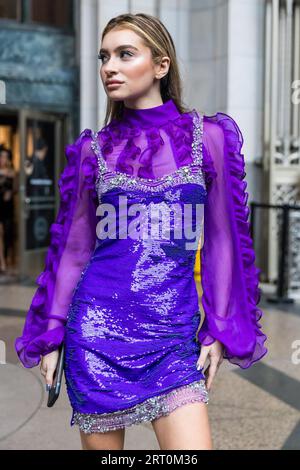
116,97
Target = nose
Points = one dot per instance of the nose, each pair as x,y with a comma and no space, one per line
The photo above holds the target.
109,66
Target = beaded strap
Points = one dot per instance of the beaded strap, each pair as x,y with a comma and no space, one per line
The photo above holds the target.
97,149
197,150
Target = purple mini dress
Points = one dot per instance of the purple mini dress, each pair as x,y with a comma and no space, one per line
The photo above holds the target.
137,199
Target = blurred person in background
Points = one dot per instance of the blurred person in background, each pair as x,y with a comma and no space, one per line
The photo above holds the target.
35,169
7,190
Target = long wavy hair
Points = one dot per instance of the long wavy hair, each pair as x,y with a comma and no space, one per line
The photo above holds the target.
158,39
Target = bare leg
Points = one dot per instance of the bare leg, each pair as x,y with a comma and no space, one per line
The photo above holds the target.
187,427
2,257
111,440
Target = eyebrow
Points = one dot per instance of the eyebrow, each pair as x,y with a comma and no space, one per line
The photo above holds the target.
120,47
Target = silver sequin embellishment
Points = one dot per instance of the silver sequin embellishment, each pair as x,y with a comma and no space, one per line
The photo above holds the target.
191,173
148,410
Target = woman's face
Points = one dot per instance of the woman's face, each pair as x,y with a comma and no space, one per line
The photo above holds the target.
125,58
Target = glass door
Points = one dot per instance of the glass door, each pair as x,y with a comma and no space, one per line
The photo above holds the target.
41,144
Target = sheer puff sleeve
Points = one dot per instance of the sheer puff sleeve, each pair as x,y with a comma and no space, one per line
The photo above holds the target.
230,279
72,241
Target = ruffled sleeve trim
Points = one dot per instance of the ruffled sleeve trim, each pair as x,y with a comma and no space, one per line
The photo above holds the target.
37,339
234,159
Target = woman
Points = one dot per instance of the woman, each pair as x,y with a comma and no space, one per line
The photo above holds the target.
7,189
127,307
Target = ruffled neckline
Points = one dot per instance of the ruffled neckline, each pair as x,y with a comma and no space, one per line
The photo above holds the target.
147,123
151,117
120,140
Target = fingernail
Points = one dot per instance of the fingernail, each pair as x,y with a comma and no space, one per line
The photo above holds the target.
199,367
48,387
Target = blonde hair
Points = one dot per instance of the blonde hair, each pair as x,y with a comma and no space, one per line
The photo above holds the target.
158,39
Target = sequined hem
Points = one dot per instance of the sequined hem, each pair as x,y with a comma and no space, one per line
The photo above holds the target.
148,410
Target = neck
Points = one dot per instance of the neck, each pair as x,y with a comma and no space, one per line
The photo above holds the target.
151,117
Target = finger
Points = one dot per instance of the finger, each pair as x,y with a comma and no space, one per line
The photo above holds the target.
202,358
49,377
206,374
211,372
219,362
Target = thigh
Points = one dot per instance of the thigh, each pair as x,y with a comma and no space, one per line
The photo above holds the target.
187,427
111,440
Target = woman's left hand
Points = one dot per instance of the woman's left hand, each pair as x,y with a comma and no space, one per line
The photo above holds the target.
215,352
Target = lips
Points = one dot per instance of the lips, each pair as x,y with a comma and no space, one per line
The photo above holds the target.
113,82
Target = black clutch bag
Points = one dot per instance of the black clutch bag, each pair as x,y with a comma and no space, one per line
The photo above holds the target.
57,377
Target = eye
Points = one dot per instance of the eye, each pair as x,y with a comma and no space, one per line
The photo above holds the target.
126,52
100,56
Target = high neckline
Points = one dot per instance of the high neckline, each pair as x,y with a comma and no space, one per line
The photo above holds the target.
154,116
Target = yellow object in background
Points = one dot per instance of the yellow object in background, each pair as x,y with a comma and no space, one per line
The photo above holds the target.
197,267
197,276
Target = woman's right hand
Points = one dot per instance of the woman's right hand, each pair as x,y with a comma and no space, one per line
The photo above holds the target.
48,366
